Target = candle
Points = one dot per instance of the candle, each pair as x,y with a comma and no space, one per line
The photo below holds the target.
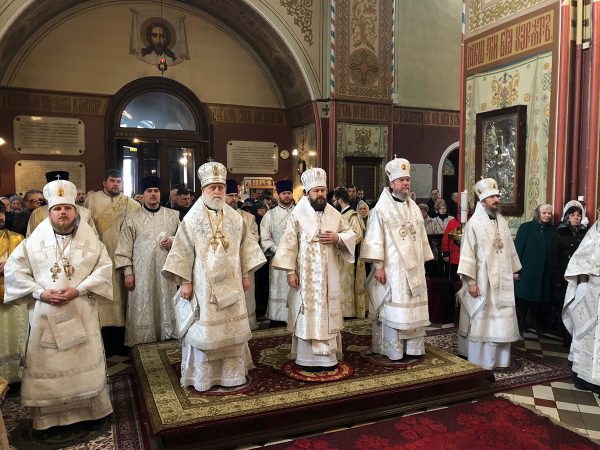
464,206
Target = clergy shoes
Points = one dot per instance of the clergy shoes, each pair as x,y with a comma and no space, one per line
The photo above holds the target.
313,369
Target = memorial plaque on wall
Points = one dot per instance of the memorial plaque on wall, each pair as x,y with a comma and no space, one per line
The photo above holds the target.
421,179
252,157
31,174
42,135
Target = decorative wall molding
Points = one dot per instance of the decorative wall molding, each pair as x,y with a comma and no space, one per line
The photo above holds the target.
425,117
247,115
301,115
41,102
486,13
361,112
302,14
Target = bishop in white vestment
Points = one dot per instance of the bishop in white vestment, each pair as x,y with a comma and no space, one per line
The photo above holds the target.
145,241
581,310
211,259
231,200
272,227
109,207
488,262
397,246
308,252
62,271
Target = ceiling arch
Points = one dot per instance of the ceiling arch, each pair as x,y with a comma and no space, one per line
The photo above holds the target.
238,15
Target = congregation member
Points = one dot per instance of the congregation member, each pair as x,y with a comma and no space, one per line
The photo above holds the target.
272,227
80,199
183,202
442,218
433,196
353,196
353,300
16,204
145,240
33,200
109,208
363,211
533,286
453,207
231,199
397,246
308,251
488,262
211,259
580,310
39,214
569,234
14,324
451,247
62,272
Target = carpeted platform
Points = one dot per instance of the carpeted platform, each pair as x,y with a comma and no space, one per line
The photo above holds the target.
489,424
119,431
271,404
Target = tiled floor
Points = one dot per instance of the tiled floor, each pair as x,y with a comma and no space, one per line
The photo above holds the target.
562,401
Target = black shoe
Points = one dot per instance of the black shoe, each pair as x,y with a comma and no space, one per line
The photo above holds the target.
313,369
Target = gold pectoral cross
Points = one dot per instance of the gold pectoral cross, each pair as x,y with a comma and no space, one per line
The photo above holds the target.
214,243
55,270
69,269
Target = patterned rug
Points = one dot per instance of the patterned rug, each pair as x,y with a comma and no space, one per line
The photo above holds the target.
119,431
490,424
525,368
268,390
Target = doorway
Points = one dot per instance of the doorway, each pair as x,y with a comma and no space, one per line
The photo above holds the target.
364,173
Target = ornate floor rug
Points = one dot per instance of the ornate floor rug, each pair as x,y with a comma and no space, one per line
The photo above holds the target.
525,368
120,431
268,390
490,424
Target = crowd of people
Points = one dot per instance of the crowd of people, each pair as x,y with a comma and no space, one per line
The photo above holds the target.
101,272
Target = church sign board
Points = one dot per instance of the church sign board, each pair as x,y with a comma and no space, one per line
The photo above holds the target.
252,157
43,135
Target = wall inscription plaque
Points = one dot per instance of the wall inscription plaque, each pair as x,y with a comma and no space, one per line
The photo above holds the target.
252,157
31,174
43,135
421,179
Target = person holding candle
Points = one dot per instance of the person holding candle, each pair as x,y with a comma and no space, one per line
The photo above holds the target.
488,260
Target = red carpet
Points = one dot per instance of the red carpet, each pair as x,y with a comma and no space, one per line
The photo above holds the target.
490,424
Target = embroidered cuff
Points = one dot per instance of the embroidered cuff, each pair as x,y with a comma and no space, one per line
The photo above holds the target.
290,272
378,264
127,270
37,293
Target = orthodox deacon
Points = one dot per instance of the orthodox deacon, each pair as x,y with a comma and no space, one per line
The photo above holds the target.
231,200
581,311
488,262
14,324
272,227
308,252
62,271
211,259
109,207
353,300
146,238
397,246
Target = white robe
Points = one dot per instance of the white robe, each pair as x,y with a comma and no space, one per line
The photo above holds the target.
213,326
65,375
581,308
109,214
252,227
150,316
315,318
272,227
485,338
396,240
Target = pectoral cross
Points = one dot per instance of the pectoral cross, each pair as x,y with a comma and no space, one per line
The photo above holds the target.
214,243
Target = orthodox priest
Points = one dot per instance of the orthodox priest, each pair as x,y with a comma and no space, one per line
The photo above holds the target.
211,259
250,222
271,229
581,311
146,238
487,267
109,207
353,303
39,214
308,251
14,324
62,271
397,246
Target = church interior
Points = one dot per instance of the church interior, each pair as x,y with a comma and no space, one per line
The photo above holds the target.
463,89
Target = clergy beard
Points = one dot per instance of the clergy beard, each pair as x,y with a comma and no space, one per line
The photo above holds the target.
64,228
213,203
492,211
400,195
318,204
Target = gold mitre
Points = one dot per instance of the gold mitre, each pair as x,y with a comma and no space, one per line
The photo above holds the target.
212,172
60,192
314,177
397,168
486,187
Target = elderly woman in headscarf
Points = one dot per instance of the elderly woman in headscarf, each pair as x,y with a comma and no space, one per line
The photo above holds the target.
362,208
569,234
533,287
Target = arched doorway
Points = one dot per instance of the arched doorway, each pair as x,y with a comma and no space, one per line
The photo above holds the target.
448,172
156,126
